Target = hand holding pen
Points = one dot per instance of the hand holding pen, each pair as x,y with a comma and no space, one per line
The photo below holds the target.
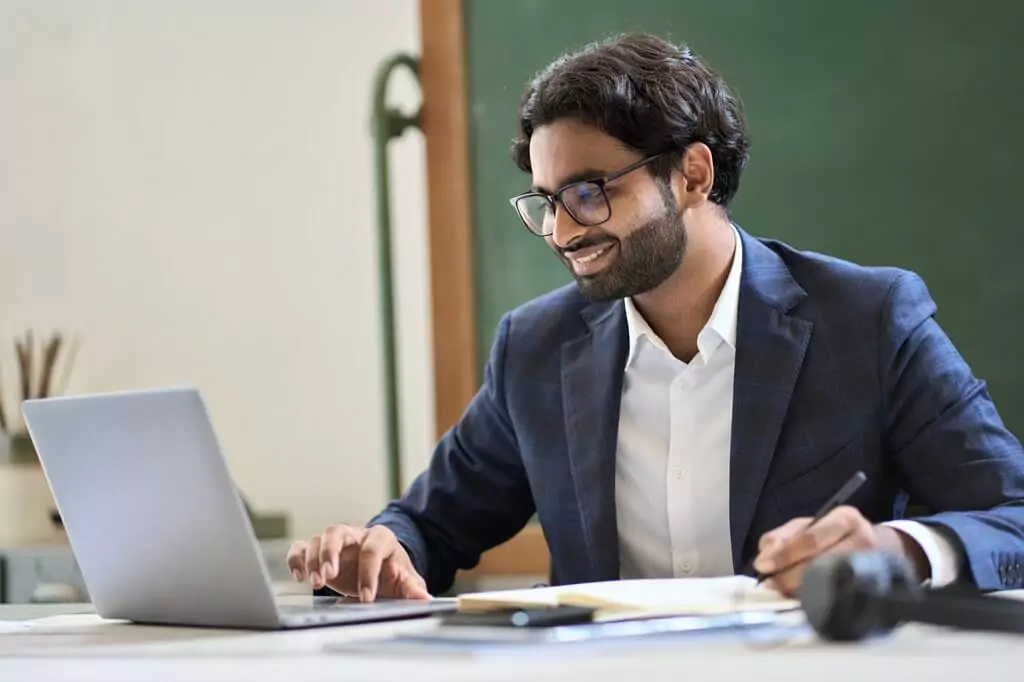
784,553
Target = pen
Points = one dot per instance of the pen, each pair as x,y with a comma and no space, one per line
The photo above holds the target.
839,499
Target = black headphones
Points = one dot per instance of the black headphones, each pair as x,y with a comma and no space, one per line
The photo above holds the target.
854,596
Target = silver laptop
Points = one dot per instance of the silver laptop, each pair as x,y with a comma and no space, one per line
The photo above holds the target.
156,523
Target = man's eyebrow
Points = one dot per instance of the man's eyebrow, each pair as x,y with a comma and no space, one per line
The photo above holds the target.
579,176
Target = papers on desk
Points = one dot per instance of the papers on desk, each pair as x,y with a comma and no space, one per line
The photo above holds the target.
56,623
634,599
628,613
14,626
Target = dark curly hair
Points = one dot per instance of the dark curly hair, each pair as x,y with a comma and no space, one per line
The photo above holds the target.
646,92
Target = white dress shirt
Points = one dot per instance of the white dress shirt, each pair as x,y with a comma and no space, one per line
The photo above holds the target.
674,444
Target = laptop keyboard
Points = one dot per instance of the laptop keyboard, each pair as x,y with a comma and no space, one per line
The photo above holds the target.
340,605
323,610
344,605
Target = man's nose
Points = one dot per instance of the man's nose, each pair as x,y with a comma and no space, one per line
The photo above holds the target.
565,230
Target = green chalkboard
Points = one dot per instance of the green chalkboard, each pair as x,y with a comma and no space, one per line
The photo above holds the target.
886,132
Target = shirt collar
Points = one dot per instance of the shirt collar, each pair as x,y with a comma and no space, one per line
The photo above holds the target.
720,327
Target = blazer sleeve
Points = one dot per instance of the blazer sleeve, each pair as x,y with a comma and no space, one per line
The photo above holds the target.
474,494
955,454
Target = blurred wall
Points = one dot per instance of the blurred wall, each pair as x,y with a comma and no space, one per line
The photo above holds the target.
188,186
881,132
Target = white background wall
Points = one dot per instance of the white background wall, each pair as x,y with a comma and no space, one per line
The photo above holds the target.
188,186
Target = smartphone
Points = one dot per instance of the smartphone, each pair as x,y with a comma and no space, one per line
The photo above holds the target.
522,618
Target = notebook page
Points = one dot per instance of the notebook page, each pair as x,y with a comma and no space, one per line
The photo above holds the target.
528,598
682,596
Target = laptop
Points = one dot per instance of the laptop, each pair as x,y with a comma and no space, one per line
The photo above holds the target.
156,523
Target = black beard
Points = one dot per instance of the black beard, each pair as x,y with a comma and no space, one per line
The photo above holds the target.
646,258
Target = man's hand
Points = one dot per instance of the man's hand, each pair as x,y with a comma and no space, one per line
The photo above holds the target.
787,550
357,562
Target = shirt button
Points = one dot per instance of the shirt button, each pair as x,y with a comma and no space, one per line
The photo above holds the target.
679,473
685,567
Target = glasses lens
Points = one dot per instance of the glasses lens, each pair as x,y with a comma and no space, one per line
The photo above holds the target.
587,203
536,213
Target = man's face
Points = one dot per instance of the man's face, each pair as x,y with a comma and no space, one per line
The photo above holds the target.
643,241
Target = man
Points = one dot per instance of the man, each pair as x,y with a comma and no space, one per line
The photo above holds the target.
698,393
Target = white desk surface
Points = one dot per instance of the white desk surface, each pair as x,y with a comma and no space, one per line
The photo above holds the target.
84,647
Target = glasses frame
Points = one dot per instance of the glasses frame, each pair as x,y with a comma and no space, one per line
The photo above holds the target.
555,199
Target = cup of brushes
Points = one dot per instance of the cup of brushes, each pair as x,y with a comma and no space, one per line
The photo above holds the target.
37,373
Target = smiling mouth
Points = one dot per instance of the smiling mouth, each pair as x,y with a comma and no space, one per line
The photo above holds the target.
591,260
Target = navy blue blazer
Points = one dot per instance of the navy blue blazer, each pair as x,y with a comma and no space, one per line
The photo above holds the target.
838,368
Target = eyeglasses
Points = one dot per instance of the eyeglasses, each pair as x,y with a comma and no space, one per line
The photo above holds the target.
586,202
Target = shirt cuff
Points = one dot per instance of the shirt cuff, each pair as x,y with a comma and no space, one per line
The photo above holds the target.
943,557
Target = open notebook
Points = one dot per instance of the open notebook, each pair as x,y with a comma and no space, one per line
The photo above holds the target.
628,599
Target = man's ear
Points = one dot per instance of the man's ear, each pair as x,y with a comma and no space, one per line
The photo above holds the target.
694,177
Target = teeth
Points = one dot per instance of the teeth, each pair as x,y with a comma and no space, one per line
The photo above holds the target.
592,257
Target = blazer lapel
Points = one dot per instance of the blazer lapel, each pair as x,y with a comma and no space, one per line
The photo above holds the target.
592,368
770,348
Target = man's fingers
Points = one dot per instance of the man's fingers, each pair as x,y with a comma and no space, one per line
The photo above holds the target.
296,559
357,561
782,533
814,540
378,545
313,563
401,580
348,560
332,543
787,581
811,542
413,587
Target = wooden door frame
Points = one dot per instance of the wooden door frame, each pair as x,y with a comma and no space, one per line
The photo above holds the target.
449,208
445,126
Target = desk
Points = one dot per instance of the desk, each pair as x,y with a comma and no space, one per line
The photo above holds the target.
86,648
